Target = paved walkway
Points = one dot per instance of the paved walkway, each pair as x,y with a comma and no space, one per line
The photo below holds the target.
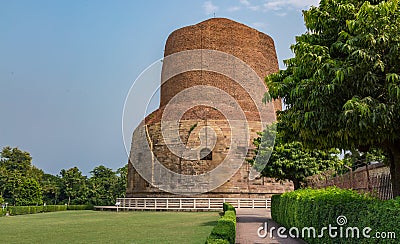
248,222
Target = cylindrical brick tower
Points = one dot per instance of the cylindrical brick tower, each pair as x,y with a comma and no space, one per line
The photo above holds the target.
254,48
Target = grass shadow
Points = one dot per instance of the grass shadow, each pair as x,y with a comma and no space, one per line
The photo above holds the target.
209,223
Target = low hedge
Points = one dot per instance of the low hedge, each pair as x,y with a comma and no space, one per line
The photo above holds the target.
227,206
320,208
21,210
80,207
2,212
225,230
54,208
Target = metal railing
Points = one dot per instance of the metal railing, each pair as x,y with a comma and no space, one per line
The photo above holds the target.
191,203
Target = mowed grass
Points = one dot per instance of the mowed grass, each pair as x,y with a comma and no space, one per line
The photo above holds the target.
108,227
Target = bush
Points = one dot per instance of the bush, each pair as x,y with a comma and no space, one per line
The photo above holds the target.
80,207
21,210
320,208
35,209
225,230
54,208
2,212
227,206
210,240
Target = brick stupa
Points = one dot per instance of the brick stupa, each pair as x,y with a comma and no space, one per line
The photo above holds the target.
258,51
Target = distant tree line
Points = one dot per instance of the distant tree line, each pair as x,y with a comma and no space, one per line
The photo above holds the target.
21,183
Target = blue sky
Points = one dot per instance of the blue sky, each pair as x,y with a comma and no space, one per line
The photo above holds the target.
67,66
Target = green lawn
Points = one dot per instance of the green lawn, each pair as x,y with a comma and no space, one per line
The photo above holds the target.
108,227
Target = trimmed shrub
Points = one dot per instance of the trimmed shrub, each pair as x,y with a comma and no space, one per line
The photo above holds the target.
211,240
21,210
54,208
35,209
320,208
80,207
225,230
227,206
2,212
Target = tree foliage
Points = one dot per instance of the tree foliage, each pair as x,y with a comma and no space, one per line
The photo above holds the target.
122,181
21,183
19,179
27,191
51,188
103,185
15,160
290,160
74,186
342,88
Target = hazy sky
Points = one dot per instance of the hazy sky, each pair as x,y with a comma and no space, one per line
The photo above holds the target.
67,66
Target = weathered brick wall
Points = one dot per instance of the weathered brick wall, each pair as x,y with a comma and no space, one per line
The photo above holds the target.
375,180
253,47
238,186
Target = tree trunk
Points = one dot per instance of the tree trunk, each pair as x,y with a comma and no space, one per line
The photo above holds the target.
394,163
296,184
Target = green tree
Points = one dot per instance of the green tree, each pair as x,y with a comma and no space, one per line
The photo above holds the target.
13,159
120,188
103,182
51,188
19,179
27,192
3,180
74,186
342,88
107,185
290,160
21,190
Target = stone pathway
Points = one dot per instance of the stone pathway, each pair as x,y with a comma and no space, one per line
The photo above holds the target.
248,222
